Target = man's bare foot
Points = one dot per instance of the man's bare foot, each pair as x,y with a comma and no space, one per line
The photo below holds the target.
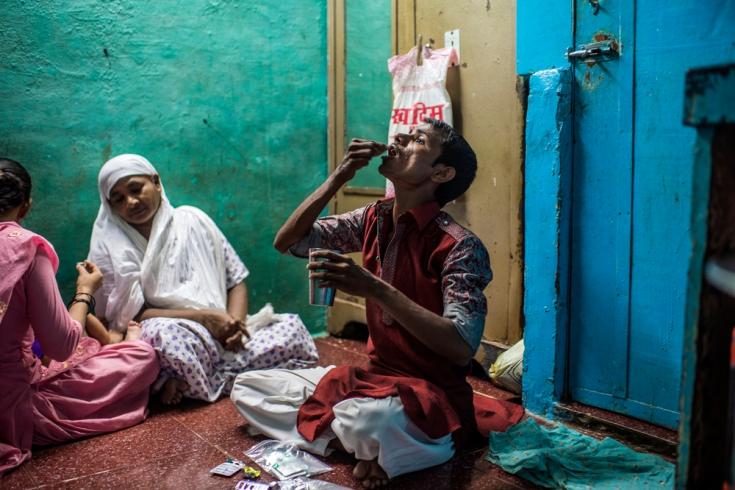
173,391
370,474
134,331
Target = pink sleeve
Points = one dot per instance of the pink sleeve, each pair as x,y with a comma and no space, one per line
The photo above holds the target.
57,331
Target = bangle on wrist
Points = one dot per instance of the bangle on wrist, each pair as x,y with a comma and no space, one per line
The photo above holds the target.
80,298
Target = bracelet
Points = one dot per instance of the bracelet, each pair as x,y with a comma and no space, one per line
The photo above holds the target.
91,298
87,302
91,303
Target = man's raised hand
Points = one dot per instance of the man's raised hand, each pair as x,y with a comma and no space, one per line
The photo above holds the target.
358,155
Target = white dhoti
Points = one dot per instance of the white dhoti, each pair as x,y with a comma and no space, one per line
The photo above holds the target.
369,428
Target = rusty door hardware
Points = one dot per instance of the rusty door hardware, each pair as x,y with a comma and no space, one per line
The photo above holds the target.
594,51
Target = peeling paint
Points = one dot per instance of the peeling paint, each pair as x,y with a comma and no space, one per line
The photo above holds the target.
591,81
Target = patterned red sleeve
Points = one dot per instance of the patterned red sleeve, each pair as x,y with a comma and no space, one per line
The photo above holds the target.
465,275
342,233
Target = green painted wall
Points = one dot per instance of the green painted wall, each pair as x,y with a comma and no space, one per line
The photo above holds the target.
227,99
368,92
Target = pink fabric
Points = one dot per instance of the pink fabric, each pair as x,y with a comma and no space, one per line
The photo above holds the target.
105,393
89,390
17,250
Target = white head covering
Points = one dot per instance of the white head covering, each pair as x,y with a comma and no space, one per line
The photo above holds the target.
181,265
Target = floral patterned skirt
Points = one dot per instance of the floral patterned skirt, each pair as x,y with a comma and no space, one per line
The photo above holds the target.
188,352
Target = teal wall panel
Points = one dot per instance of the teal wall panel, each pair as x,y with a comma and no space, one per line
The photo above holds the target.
368,93
227,99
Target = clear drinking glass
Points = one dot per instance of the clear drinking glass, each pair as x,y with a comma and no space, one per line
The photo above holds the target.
319,296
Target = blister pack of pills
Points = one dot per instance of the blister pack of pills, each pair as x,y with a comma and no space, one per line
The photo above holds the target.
285,460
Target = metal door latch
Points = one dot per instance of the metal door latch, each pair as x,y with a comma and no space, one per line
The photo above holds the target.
603,49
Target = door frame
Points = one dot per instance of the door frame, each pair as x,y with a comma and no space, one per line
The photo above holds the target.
543,35
336,42
702,430
347,308
544,31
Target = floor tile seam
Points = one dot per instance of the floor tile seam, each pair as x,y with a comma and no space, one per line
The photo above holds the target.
489,396
502,477
339,345
29,485
506,477
508,480
236,455
200,436
361,354
167,456
116,468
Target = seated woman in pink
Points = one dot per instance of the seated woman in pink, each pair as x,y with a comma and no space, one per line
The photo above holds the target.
90,389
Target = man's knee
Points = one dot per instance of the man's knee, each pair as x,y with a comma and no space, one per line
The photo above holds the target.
270,387
245,384
367,418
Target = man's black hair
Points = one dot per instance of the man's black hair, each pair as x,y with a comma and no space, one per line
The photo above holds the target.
456,153
15,184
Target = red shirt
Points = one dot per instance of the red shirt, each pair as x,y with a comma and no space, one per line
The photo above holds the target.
436,263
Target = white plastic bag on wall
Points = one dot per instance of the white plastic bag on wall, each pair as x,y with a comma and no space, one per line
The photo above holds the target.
419,91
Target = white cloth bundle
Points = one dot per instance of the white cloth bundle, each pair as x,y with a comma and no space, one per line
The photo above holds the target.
181,265
262,319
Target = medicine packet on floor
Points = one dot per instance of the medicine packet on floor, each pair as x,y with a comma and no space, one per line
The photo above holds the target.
251,485
228,468
303,483
285,460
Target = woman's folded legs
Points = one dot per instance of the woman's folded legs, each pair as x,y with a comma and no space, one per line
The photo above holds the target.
194,365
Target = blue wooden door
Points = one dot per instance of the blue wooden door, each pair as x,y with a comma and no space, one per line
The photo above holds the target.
631,205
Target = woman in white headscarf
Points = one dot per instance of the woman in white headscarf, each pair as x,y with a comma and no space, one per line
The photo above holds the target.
174,270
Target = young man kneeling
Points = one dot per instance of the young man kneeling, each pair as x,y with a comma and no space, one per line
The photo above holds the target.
423,279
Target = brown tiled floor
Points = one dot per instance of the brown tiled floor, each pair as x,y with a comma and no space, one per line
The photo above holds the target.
176,448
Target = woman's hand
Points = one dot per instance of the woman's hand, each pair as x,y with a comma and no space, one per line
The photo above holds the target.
89,279
223,327
234,343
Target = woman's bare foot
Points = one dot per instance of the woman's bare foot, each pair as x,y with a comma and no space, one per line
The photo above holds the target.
134,331
370,474
173,391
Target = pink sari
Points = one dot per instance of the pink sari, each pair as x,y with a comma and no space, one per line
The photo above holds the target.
87,390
